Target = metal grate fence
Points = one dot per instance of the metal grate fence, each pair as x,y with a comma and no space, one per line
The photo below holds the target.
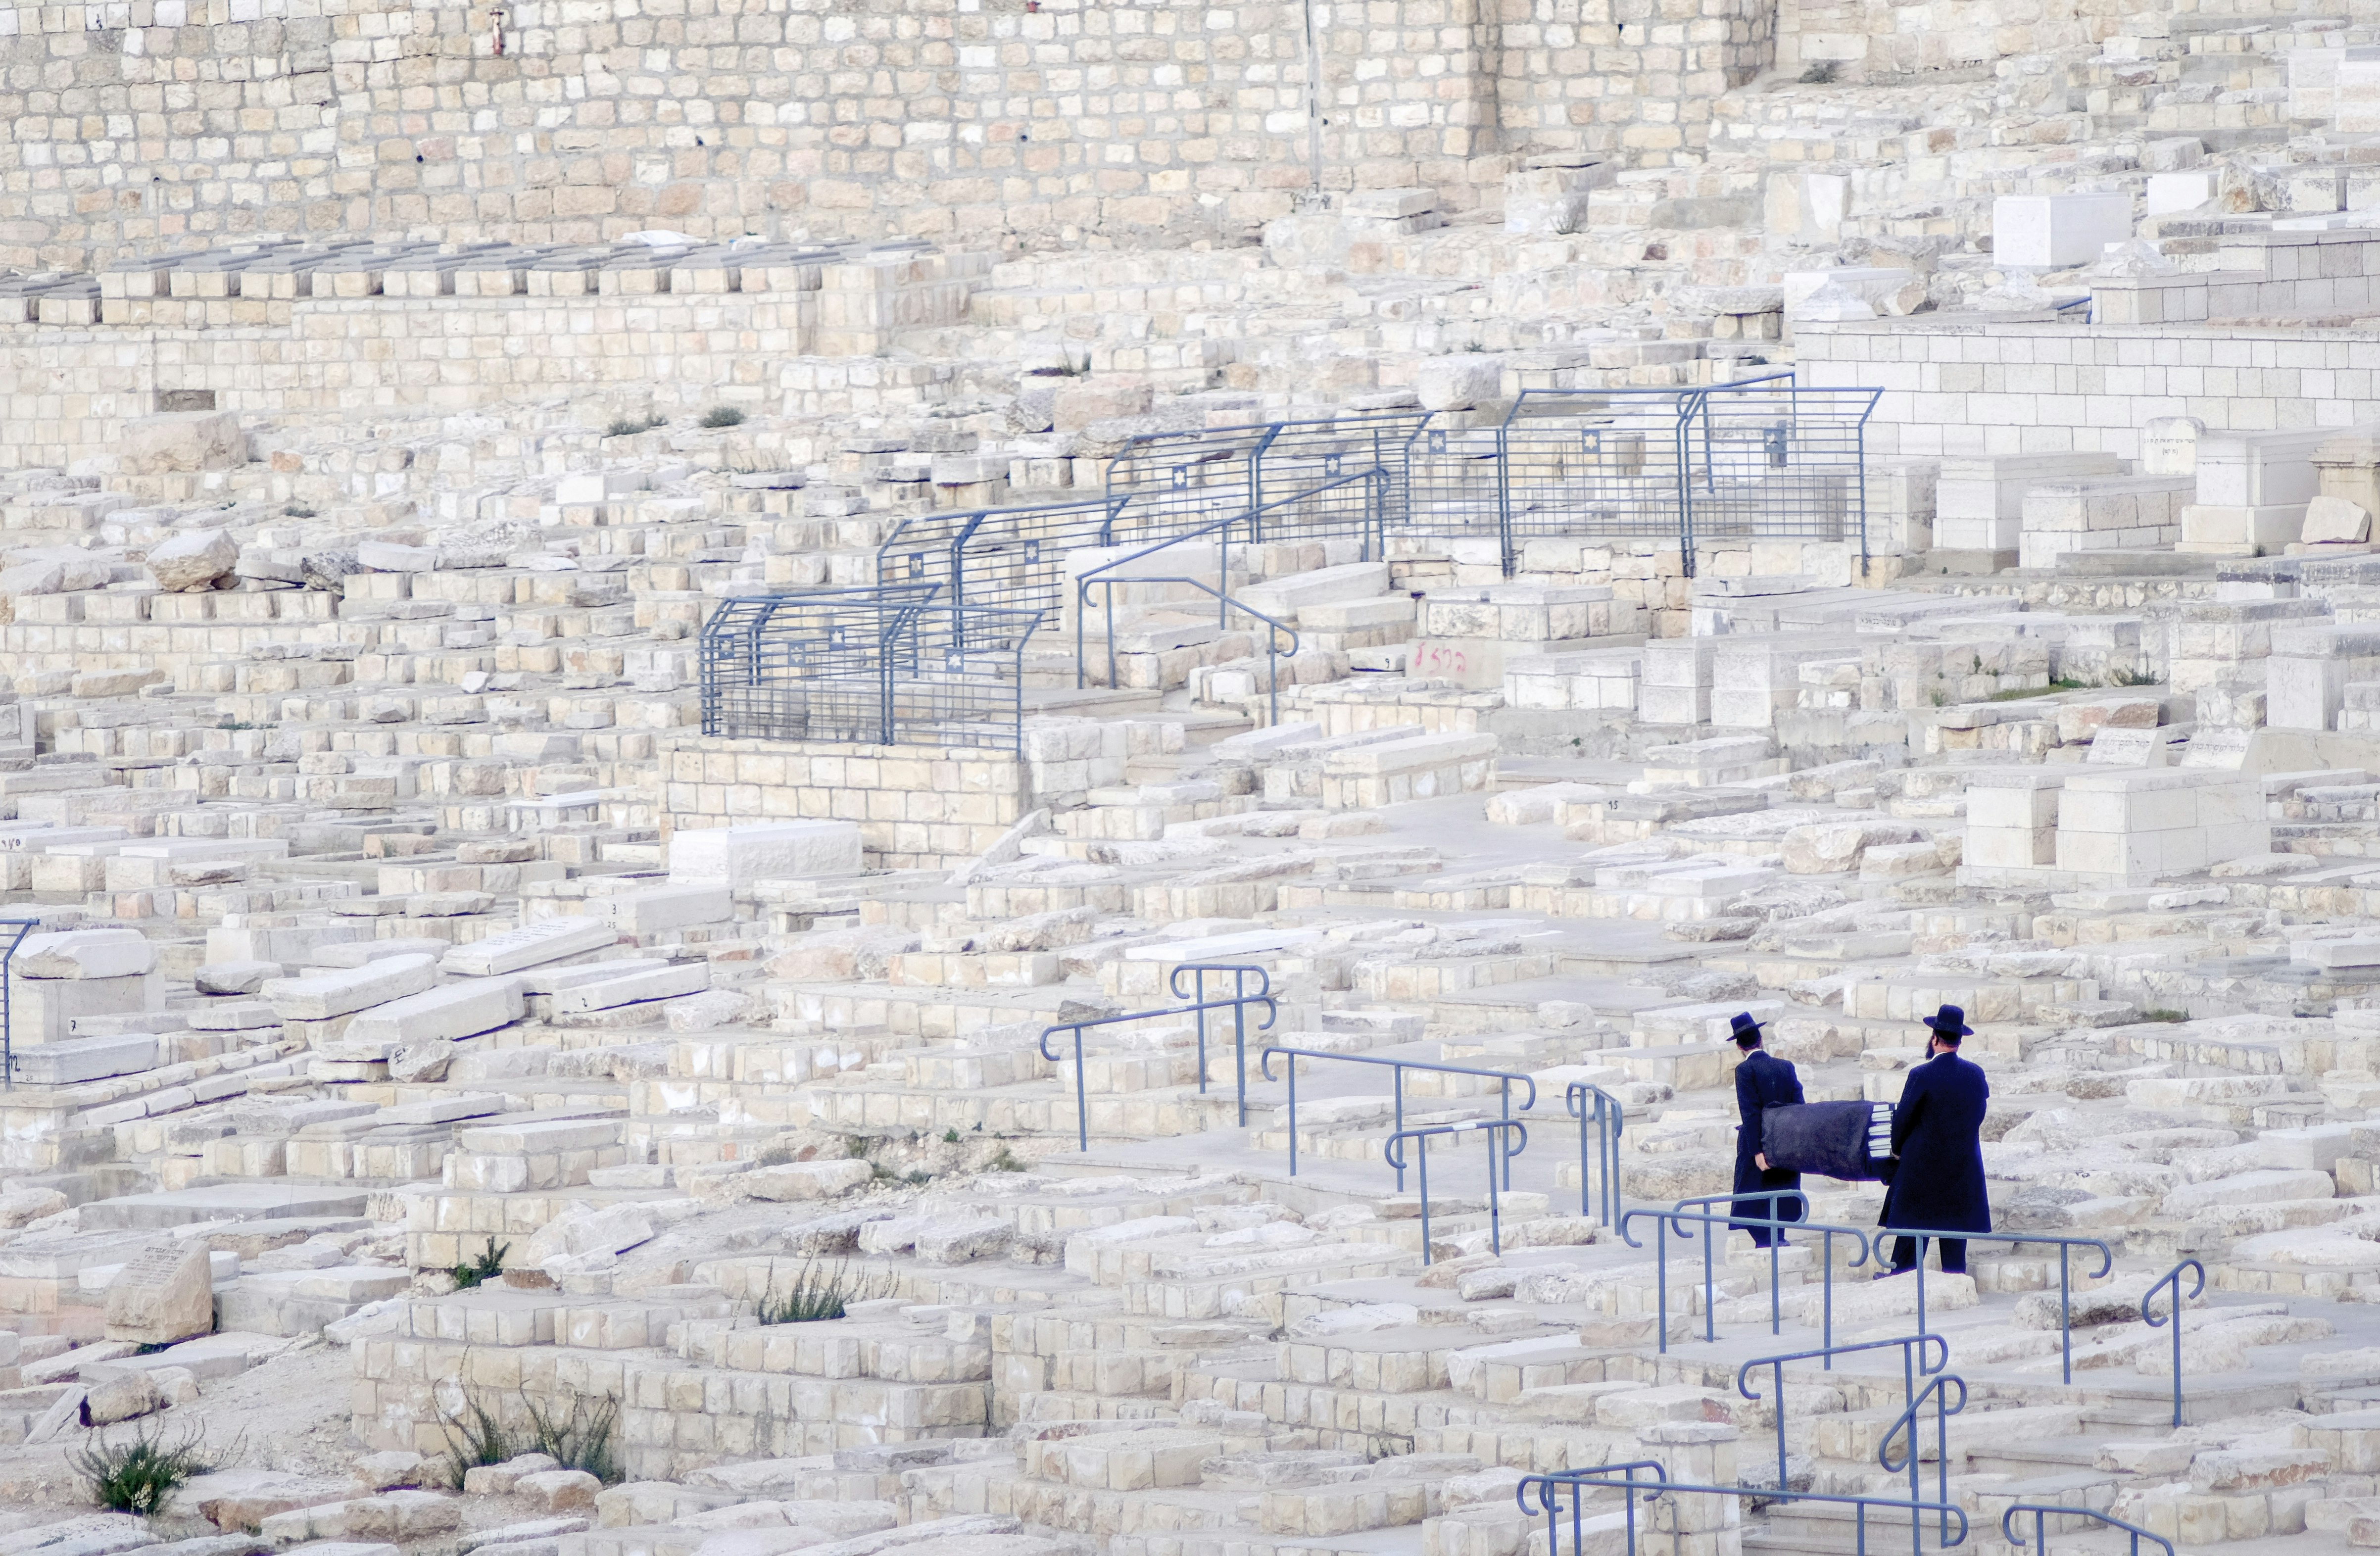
885,666
1761,458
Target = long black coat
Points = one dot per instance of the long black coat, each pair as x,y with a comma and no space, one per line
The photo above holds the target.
1762,1081
1937,1134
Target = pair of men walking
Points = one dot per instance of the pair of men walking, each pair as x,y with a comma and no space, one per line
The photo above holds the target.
1936,1179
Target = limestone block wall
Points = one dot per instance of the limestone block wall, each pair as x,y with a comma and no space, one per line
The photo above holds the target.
1632,76
1869,39
148,124
66,393
2007,388
917,807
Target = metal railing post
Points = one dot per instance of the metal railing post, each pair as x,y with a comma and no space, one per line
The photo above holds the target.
1606,1117
2173,1278
1240,974
1498,1132
1923,1235
1913,1364
24,926
2041,1510
1622,1479
1082,1096
1397,1068
1937,1389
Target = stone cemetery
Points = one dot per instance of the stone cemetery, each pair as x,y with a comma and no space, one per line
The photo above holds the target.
1000,779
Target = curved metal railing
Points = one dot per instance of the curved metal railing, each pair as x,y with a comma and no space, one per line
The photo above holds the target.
2064,1275
1622,1479
1913,1367
1264,1067
2173,1278
1936,1389
2041,1512
1082,1095
1680,1220
1241,973
1501,1151
1599,1110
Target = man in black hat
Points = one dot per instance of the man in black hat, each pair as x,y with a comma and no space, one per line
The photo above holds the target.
1937,1183
1761,1082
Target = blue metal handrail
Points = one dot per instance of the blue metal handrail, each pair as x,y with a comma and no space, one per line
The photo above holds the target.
2065,1279
2040,1511
1775,1224
1626,1483
1936,1389
1264,1066
24,926
1680,1219
1226,603
1499,1144
1593,1106
1082,1097
1913,1367
2173,1278
1241,973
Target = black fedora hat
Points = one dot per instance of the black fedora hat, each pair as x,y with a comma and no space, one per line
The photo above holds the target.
1746,1031
1949,1022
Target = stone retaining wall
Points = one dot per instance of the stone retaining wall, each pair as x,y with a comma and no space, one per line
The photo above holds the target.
919,807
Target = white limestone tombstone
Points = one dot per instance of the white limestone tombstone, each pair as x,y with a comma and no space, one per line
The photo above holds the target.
2126,747
2169,192
2051,232
2169,446
735,857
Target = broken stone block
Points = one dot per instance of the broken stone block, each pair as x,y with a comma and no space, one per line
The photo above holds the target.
192,560
234,976
802,1180
2335,521
84,954
456,1010
321,996
531,945
558,1490
121,1399
1458,382
164,1294
181,443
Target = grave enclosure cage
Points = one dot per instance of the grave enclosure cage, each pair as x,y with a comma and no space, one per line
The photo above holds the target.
934,652
896,665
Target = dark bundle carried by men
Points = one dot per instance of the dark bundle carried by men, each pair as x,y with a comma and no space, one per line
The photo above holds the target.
1848,1140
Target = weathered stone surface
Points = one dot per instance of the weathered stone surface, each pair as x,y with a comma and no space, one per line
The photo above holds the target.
181,443
165,1294
193,560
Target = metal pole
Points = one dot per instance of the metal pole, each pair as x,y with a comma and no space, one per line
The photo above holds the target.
7,1000
1776,1263
1710,1303
1240,1047
1421,1152
1199,998
2065,1314
1662,1281
1495,1210
1779,1407
1293,1121
1082,1097
1505,1113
